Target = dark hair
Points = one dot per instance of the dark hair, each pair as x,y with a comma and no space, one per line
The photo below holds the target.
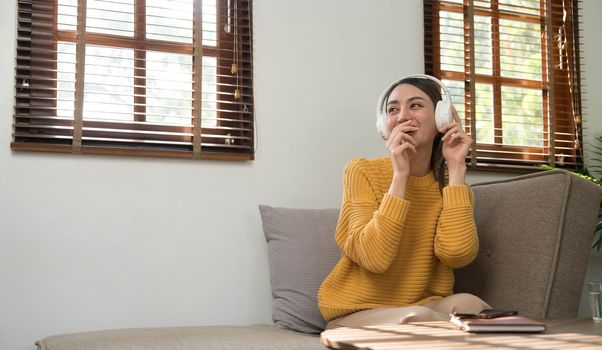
433,90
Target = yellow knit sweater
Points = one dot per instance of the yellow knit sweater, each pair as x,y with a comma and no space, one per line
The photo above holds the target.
396,252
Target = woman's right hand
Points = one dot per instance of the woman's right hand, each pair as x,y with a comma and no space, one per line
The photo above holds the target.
399,145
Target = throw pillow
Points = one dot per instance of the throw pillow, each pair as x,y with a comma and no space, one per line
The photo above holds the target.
301,252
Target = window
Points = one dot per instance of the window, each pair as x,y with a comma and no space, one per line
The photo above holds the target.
512,67
168,78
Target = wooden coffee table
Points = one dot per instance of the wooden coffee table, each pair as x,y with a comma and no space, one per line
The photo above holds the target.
560,334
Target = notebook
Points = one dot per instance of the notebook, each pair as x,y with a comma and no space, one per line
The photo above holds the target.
498,324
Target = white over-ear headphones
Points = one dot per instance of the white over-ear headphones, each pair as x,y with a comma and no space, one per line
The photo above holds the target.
443,113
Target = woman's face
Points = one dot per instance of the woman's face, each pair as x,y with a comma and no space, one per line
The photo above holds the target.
407,102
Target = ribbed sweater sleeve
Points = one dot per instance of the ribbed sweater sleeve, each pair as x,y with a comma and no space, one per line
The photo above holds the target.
369,233
456,240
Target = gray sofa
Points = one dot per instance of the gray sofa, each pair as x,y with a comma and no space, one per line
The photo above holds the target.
535,237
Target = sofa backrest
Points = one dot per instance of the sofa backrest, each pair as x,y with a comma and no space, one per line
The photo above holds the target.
535,234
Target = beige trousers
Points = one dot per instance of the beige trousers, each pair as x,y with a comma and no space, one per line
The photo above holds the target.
437,310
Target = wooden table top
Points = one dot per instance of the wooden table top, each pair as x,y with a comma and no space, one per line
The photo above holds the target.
560,334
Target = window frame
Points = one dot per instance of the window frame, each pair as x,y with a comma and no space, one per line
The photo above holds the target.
233,136
497,155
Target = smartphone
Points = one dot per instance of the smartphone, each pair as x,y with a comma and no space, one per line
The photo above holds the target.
488,313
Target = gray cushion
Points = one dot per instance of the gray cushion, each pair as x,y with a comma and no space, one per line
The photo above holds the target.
257,337
301,251
535,234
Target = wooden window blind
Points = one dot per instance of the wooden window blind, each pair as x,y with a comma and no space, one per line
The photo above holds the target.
170,78
512,67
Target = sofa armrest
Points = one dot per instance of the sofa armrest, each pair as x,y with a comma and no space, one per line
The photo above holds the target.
255,337
535,234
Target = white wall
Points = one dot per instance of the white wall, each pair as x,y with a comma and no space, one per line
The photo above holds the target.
592,79
93,242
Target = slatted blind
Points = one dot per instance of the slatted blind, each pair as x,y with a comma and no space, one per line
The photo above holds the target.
512,67
166,78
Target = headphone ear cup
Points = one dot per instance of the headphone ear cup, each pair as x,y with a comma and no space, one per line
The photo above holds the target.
381,125
443,114
381,116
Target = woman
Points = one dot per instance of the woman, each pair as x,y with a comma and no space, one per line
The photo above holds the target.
402,226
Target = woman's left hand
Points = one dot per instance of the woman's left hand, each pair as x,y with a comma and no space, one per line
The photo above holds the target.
456,143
